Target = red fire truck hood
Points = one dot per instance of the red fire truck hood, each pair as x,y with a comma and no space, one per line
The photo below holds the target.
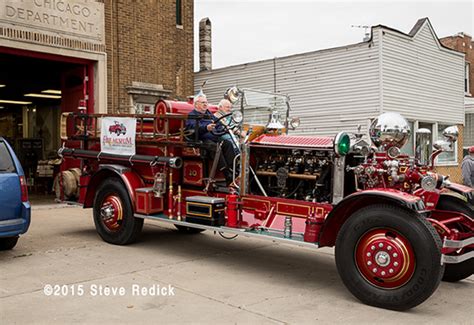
287,141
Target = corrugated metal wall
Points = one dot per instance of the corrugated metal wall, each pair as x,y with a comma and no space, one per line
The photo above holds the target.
421,80
337,89
329,90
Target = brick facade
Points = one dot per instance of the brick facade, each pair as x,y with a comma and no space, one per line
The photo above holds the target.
144,44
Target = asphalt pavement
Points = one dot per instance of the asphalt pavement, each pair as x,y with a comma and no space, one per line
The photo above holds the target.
62,272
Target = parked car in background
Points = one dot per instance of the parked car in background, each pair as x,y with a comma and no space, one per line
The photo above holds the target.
15,209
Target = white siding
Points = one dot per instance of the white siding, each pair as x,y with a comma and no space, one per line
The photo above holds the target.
337,89
329,90
421,80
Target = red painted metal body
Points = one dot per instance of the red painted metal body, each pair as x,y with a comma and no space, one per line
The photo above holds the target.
175,107
294,142
295,189
232,211
315,221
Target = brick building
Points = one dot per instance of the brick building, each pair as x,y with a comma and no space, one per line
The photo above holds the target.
107,55
463,43
147,48
116,56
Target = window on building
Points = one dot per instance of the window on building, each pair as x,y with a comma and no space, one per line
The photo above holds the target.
469,130
466,78
179,13
446,158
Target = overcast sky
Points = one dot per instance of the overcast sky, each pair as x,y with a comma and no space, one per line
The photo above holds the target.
246,31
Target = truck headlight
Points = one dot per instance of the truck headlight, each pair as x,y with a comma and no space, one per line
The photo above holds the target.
428,183
237,116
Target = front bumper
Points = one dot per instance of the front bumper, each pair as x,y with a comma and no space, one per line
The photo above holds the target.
16,226
449,244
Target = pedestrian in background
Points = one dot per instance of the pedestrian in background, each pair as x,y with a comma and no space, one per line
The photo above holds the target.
467,168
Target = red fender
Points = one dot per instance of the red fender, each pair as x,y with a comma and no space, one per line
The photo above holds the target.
350,204
465,191
129,178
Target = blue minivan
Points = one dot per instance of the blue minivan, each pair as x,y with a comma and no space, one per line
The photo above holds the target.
15,209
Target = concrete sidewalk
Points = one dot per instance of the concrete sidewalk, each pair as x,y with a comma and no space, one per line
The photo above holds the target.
207,279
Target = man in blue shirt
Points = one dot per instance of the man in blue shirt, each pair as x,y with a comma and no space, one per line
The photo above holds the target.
205,125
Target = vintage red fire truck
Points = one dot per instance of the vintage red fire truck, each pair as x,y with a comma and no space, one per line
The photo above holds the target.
397,226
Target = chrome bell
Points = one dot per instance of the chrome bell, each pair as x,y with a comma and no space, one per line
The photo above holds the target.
274,122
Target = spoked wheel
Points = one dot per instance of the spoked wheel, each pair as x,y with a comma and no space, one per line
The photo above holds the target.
188,230
459,271
113,214
389,257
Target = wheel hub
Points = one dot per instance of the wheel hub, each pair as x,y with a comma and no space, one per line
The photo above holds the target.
385,258
382,258
111,213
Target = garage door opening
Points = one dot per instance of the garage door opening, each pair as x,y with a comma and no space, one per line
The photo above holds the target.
34,90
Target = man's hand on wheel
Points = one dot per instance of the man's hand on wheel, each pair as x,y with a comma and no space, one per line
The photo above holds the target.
211,126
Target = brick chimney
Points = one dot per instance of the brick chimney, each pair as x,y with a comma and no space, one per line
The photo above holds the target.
205,45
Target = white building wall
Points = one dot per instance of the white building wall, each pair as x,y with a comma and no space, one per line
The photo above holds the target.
422,80
330,90
337,89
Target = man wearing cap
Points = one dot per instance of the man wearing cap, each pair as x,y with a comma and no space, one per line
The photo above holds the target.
467,168
206,124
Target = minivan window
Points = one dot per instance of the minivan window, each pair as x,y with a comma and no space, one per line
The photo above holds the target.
6,162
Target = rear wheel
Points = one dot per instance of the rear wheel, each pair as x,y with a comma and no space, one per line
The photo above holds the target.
459,271
113,214
188,230
389,257
8,243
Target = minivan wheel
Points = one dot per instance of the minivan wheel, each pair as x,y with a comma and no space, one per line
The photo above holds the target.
8,243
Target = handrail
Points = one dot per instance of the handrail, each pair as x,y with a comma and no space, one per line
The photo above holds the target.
87,126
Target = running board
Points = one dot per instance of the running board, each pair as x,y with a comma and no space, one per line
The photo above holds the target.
458,244
272,235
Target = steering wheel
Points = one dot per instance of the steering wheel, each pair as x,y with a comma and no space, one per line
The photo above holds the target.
220,128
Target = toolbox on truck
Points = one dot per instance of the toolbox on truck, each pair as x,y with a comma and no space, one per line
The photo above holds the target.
205,210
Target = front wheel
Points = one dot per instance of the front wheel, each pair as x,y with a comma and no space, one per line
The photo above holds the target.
8,243
113,214
389,257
